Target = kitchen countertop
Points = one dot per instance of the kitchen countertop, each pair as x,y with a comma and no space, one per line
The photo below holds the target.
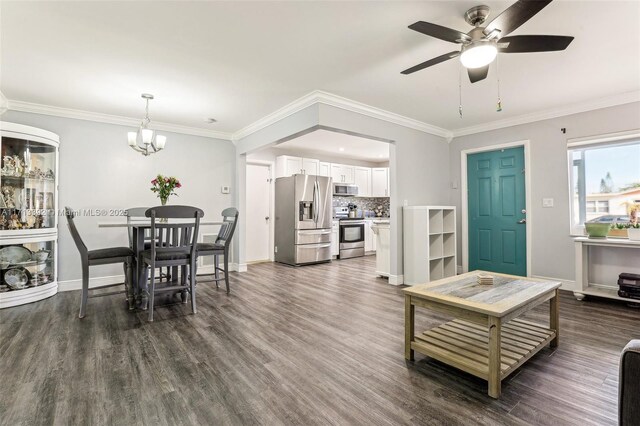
368,218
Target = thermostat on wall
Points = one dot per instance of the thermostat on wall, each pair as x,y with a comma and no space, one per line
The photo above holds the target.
225,189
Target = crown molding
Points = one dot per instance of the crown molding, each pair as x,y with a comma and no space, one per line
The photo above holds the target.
326,98
610,101
111,119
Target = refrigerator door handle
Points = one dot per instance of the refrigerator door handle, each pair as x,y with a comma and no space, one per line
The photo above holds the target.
316,200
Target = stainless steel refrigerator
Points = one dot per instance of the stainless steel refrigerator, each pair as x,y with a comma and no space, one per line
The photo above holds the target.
303,208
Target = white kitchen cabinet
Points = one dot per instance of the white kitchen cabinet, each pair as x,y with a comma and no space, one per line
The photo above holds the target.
324,169
380,182
342,173
369,237
310,166
382,232
362,178
287,165
335,238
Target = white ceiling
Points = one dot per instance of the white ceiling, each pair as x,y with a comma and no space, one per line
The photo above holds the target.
333,144
239,61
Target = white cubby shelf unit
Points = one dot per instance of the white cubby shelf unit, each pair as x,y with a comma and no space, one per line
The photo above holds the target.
429,240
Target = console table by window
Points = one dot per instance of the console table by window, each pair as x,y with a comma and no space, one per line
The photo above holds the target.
582,245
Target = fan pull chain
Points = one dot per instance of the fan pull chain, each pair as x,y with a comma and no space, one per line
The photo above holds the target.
460,91
499,106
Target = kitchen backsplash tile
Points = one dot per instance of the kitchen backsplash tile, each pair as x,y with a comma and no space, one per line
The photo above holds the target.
378,205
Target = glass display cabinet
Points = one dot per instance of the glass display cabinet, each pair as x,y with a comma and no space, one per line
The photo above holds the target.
28,219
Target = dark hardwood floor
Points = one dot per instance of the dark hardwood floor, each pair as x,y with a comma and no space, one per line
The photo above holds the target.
314,345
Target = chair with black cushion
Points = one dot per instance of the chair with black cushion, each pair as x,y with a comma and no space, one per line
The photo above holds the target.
103,256
222,245
172,245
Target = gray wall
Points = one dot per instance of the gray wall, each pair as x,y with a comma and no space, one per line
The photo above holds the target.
98,170
552,246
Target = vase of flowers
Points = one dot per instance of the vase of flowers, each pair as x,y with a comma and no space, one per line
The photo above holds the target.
165,186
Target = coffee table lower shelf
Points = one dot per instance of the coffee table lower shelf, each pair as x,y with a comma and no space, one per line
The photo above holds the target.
465,345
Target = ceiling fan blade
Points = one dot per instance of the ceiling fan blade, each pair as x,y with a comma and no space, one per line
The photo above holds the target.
477,74
534,43
437,31
516,15
431,62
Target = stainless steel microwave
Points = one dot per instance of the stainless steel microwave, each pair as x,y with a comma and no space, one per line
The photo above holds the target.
345,189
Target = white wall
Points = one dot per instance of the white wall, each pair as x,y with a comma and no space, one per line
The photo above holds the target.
552,246
98,170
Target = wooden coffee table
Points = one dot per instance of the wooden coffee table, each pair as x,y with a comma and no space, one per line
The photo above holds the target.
486,338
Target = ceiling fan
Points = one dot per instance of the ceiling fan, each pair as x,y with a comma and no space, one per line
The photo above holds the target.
481,45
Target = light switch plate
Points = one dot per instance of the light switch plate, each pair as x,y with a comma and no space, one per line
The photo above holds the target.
547,202
225,189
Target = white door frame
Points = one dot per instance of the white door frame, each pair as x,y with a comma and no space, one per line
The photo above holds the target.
465,196
271,166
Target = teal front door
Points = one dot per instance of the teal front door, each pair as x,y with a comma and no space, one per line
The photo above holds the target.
496,197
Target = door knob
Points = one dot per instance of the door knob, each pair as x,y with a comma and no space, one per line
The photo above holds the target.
522,221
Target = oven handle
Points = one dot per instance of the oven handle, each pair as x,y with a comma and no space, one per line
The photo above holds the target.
313,246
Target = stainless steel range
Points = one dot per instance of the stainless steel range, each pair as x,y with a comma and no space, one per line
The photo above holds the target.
351,234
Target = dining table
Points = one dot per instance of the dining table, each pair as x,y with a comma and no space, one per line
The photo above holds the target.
140,228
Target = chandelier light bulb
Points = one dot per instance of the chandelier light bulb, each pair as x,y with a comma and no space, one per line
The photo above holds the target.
479,55
132,137
147,136
160,141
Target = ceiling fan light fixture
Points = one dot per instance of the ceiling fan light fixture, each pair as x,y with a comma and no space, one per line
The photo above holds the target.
478,55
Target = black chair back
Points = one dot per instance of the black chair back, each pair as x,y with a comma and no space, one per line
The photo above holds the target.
174,239
82,248
133,214
228,227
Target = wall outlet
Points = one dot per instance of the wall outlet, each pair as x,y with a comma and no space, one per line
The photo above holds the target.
547,202
225,189
275,249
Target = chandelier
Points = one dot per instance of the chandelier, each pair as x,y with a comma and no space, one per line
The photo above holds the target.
150,143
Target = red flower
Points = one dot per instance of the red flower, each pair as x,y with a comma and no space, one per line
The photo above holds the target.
178,185
155,181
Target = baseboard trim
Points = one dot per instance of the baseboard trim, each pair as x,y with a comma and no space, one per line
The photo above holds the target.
396,279
238,267
566,284
96,282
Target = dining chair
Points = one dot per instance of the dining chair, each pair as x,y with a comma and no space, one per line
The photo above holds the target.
103,256
172,245
222,245
136,214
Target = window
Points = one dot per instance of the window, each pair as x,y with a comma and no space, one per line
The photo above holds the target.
604,177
